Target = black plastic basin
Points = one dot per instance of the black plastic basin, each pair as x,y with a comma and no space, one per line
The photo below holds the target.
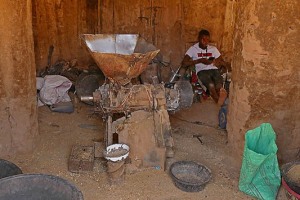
38,187
8,169
189,176
286,170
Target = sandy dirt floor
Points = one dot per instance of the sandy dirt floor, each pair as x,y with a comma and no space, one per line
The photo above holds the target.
60,131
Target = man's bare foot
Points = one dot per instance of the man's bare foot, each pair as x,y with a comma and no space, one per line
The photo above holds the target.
222,97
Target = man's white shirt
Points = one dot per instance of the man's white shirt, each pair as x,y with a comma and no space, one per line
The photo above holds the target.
195,52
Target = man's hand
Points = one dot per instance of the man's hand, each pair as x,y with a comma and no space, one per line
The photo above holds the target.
187,61
205,61
221,64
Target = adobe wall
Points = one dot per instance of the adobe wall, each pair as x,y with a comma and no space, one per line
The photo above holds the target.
18,113
265,82
265,85
172,25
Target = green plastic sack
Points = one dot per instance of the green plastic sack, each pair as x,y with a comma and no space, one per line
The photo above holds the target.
260,174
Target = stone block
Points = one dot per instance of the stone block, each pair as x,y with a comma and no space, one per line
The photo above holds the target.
81,158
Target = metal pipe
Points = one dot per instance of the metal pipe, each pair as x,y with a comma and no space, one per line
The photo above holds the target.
87,98
175,74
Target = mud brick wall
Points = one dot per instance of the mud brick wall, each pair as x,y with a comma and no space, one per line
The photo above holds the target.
18,112
171,25
266,77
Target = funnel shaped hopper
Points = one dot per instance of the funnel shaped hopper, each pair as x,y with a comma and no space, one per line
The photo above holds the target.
116,57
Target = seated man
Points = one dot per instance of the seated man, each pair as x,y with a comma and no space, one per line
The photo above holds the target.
206,58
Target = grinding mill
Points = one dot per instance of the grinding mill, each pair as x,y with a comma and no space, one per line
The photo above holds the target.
135,114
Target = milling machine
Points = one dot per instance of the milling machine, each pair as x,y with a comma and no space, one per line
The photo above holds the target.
135,114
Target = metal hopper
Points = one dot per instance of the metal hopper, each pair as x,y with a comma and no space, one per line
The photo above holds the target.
115,55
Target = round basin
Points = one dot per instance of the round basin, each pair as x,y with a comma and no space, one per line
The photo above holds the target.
291,179
8,169
116,152
38,187
189,176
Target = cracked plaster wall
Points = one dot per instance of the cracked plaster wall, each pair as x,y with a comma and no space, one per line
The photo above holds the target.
18,113
171,25
265,86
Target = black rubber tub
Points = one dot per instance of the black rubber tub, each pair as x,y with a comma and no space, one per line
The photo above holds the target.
38,187
8,169
290,175
189,176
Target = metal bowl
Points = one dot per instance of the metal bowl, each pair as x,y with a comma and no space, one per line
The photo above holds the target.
189,176
116,152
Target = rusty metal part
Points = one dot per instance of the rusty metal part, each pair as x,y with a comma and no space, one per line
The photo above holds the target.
114,55
110,99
